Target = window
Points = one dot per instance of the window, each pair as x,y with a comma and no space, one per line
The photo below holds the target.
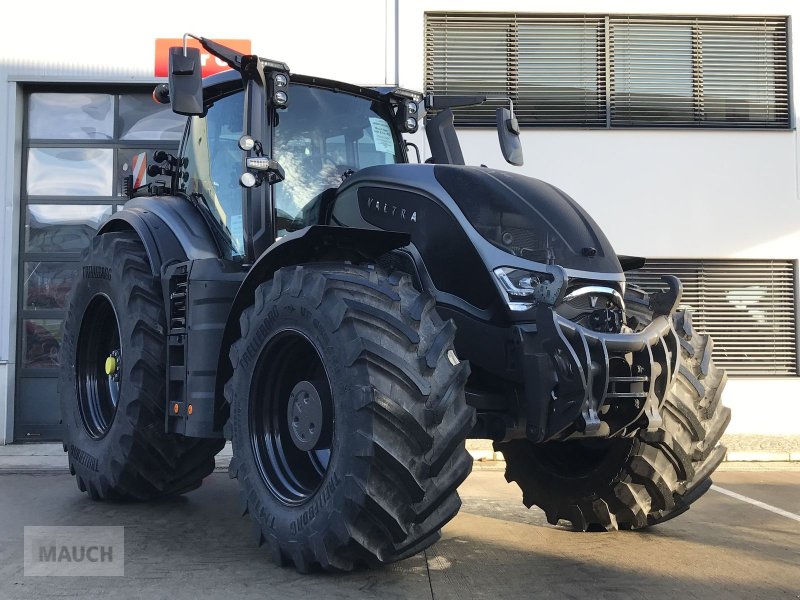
748,307
613,71
322,136
80,144
214,164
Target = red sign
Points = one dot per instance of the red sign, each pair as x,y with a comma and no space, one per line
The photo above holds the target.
211,64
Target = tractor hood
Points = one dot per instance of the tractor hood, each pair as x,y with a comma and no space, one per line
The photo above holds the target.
528,218
519,215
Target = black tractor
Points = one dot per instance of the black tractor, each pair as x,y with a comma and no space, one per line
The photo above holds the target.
289,282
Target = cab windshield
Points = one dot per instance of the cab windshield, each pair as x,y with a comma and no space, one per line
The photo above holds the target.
321,138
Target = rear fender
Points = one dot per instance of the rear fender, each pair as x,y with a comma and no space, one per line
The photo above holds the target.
171,229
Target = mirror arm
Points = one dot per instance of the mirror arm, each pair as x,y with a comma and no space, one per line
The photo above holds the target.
231,57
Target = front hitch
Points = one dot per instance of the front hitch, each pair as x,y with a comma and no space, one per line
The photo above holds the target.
584,383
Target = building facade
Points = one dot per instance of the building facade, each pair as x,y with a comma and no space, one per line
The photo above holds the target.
672,123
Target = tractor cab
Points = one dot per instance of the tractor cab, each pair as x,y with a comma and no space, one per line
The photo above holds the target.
260,138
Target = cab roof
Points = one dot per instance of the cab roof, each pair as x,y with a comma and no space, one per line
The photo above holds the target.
226,82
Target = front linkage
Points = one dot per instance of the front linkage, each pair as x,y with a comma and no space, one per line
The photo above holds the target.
580,383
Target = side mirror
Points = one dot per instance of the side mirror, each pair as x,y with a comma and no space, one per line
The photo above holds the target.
185,81
508,132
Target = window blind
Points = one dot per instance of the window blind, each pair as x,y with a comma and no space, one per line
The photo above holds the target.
613,70
747,306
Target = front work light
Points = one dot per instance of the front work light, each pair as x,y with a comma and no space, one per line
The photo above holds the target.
280,98
279,87
247,143
406,116
248,180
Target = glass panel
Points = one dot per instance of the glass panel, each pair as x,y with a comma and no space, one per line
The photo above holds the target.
742,73
214,165
62,227
142,118
558,73
47,285
70,171
71,116
41,339
653,73
322,136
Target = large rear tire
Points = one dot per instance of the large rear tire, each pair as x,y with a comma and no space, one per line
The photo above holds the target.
112,381
348,417
637,482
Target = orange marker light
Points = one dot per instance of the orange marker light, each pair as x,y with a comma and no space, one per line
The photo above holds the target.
175,408
189,409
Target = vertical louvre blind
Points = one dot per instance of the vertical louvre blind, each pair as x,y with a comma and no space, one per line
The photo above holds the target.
618,71
747,306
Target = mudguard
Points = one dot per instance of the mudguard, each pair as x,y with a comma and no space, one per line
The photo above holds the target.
170,228
316,243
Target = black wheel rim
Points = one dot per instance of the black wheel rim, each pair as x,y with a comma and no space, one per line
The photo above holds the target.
291,417
98,367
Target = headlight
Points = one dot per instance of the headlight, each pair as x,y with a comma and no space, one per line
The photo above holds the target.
525,289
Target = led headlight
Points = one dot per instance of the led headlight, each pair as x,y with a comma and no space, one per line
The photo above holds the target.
411,124
522,288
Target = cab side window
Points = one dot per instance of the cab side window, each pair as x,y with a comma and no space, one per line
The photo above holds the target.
214,163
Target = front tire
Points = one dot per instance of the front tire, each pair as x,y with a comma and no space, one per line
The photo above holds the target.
637,482
112,385
348,417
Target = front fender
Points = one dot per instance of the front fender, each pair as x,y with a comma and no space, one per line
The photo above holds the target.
316,243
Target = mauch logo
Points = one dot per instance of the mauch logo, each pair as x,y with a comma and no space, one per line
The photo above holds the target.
74,551
392,210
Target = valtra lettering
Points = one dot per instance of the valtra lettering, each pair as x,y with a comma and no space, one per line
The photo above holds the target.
392,210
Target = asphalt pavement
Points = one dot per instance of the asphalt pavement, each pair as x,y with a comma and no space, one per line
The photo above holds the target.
742,540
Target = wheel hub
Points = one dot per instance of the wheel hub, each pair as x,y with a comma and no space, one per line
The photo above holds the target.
112,365
305,415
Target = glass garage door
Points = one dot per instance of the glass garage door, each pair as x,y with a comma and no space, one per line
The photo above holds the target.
79,145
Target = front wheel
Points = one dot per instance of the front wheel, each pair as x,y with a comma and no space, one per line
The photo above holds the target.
640,481
348,417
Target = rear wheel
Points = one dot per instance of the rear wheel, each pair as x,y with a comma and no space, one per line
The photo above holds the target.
112,381
636,482
348,417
